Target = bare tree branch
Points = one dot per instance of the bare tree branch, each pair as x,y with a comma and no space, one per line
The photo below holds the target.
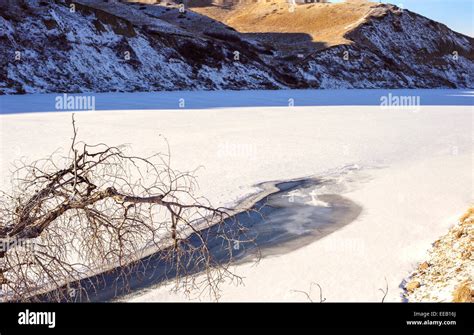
384,291
98,209
308,295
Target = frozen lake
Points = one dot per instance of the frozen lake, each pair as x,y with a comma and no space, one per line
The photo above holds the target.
12,104
415,177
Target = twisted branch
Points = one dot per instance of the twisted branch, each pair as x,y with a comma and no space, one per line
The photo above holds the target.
102,209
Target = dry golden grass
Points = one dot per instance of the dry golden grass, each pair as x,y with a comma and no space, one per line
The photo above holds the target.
463,293
324,24
467,215
447,274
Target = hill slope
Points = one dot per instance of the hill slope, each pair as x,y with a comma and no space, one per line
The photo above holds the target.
100,46
309,25
115,47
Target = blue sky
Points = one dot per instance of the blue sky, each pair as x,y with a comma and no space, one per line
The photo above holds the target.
456,14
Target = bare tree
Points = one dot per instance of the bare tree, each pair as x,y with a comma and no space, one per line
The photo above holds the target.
100,209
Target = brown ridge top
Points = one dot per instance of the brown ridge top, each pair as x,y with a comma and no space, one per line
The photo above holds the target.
320,24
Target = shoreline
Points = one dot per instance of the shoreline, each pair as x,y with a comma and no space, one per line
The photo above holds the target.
446,274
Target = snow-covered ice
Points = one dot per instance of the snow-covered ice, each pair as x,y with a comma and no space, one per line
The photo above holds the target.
414,174
182,100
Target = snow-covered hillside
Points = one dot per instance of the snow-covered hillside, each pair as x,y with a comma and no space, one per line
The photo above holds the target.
92,50
81,46
395,49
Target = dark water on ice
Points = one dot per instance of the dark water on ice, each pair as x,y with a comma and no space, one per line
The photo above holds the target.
290,218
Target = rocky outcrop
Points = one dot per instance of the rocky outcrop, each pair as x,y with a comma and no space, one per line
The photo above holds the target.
447,275
395,48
